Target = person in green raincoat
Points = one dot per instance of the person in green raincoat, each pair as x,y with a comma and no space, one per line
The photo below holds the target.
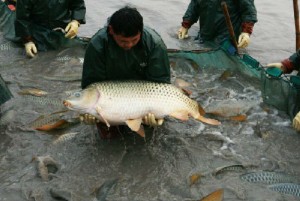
125,50
287,66
212,20
48,24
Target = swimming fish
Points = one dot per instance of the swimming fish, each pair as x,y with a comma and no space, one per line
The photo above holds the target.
43,164
33,91
232,109
286,188
214,196
266,177
127,102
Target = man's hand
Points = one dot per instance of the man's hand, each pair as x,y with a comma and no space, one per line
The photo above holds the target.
30,49
88,119
183,33
296,122
150,120
277,65
72,29
244,40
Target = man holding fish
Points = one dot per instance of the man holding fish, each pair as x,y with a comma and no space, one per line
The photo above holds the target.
125,50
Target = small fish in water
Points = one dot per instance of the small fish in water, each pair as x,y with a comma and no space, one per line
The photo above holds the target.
225,75
33,92
232,109
217,195
65,78
45,162
286,188
194,178
102,192
266,177
49,122
42,100
64,138
127,102
231,168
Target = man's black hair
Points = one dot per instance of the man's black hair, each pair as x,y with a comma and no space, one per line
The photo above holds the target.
127,22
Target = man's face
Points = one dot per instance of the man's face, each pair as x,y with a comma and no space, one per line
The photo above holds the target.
125,42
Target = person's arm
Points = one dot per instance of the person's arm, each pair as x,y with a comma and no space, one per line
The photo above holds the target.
22,24
293,62
93,66
289,64
248,13
78,10
158,69
190,17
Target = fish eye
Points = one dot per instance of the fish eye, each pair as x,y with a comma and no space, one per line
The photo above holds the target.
77,94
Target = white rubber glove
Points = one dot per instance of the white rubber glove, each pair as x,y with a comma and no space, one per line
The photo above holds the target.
72,29
30,49
88,119
277,65
150,120
183,33
244,40
296,122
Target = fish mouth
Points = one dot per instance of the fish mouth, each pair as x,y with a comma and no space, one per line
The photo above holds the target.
67,104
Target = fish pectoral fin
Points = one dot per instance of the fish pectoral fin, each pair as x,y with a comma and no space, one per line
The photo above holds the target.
241,117
136,125
98,109
208,121
182,115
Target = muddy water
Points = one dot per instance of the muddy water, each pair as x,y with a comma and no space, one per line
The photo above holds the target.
161,166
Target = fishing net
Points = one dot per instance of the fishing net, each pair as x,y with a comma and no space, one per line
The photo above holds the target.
279,90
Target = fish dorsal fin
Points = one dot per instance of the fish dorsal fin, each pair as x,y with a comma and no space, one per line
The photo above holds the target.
214,196
182,115
208,121
135,125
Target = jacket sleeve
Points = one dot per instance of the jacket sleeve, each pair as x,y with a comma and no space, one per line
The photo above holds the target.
93,66
292,63
191,15
158,69
22,24
247,10
78,10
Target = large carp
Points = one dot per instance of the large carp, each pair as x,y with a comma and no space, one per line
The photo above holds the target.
127,102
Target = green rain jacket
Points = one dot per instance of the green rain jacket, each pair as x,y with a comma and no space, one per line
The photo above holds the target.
105,60
36,19
212,20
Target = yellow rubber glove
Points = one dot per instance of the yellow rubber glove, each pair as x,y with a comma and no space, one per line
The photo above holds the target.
88,119
296,122
150,120
277,65
183,33
244,40
30,49
72,29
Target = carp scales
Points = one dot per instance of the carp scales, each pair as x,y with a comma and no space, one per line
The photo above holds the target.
127,102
